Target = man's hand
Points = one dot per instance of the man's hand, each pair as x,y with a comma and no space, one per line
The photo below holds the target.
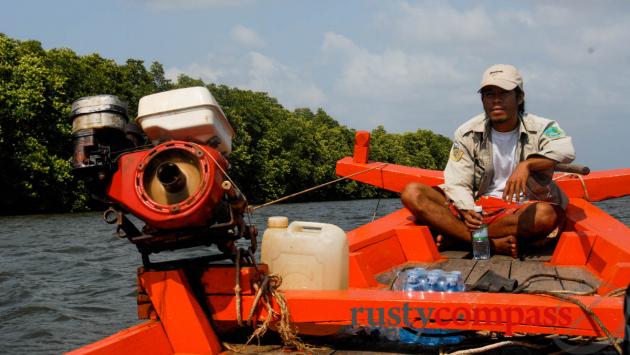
472,219
517,183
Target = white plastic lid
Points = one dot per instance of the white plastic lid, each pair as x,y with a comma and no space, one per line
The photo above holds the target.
176,99
478,209
278,222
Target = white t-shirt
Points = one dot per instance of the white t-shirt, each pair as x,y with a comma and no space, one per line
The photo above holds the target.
503,160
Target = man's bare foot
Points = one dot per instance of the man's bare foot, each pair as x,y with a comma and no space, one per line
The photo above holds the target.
505,246
445,243
438,241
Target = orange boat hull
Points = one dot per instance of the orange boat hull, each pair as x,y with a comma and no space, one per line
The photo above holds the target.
593,241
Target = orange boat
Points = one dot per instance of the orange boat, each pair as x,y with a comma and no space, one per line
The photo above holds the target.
190,306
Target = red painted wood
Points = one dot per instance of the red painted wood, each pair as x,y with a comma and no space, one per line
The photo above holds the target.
417,244
601,185
145,338
494,312
184,321
573,248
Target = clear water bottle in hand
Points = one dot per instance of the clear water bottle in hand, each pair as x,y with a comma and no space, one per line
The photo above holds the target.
480,240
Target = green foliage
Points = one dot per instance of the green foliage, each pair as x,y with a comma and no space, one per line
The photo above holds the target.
37,88
275,152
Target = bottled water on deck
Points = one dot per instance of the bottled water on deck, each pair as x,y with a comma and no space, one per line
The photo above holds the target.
480,241
435,280
419,279
454,282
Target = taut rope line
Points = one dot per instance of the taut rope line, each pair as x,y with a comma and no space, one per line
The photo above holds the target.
318,187
586,197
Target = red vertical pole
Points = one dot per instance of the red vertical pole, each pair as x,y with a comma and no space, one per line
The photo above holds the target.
185,322
361,147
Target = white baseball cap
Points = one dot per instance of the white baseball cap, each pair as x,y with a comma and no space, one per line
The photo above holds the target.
504,76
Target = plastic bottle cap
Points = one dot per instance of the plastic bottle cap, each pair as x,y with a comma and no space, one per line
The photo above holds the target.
278,222
477,209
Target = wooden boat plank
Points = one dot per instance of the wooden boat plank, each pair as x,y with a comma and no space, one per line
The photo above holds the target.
577,273
380,348
455,254
500,264
521,270
269,350
542,256
464,265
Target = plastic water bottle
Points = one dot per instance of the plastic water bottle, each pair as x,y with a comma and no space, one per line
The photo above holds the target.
433,280
454,281
480,241
437,281
415,280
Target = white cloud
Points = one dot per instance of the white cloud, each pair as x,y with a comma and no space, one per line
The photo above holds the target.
439,21
206,73
418,65
337,42
258,72
266,74
391,75
247,37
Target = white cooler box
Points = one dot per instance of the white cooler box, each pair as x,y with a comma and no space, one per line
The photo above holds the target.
189,114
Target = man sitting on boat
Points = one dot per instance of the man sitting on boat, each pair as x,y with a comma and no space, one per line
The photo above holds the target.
503,160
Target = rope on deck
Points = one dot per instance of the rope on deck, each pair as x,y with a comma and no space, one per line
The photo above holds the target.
267,289
237,289
616,293
533,278
502,344
563,296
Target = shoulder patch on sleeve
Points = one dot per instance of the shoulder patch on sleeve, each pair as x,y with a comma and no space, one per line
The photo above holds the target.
456,152
554,132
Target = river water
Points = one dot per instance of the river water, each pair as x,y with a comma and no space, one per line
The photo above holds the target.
66,281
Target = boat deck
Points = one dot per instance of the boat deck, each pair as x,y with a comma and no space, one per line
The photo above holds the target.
508,267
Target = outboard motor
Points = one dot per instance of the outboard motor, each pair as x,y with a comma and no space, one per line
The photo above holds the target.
99,127
177,185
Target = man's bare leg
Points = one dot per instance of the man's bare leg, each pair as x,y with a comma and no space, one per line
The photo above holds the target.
429,207
536,220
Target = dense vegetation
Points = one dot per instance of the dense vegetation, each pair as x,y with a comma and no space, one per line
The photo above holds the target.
276,151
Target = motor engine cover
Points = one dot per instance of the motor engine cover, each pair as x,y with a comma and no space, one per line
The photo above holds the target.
174,185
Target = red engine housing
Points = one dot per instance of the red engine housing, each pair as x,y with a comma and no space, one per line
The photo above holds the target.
134,185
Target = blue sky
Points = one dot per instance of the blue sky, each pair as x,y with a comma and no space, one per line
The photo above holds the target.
403,64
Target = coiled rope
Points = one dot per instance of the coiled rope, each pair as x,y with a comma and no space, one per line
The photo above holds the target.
564,296
266,287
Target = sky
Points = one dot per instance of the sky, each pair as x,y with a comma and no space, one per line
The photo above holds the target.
406,65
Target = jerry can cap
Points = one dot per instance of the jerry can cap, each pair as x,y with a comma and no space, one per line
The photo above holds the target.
278,222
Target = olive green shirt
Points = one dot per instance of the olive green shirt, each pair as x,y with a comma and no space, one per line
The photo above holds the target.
469,170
